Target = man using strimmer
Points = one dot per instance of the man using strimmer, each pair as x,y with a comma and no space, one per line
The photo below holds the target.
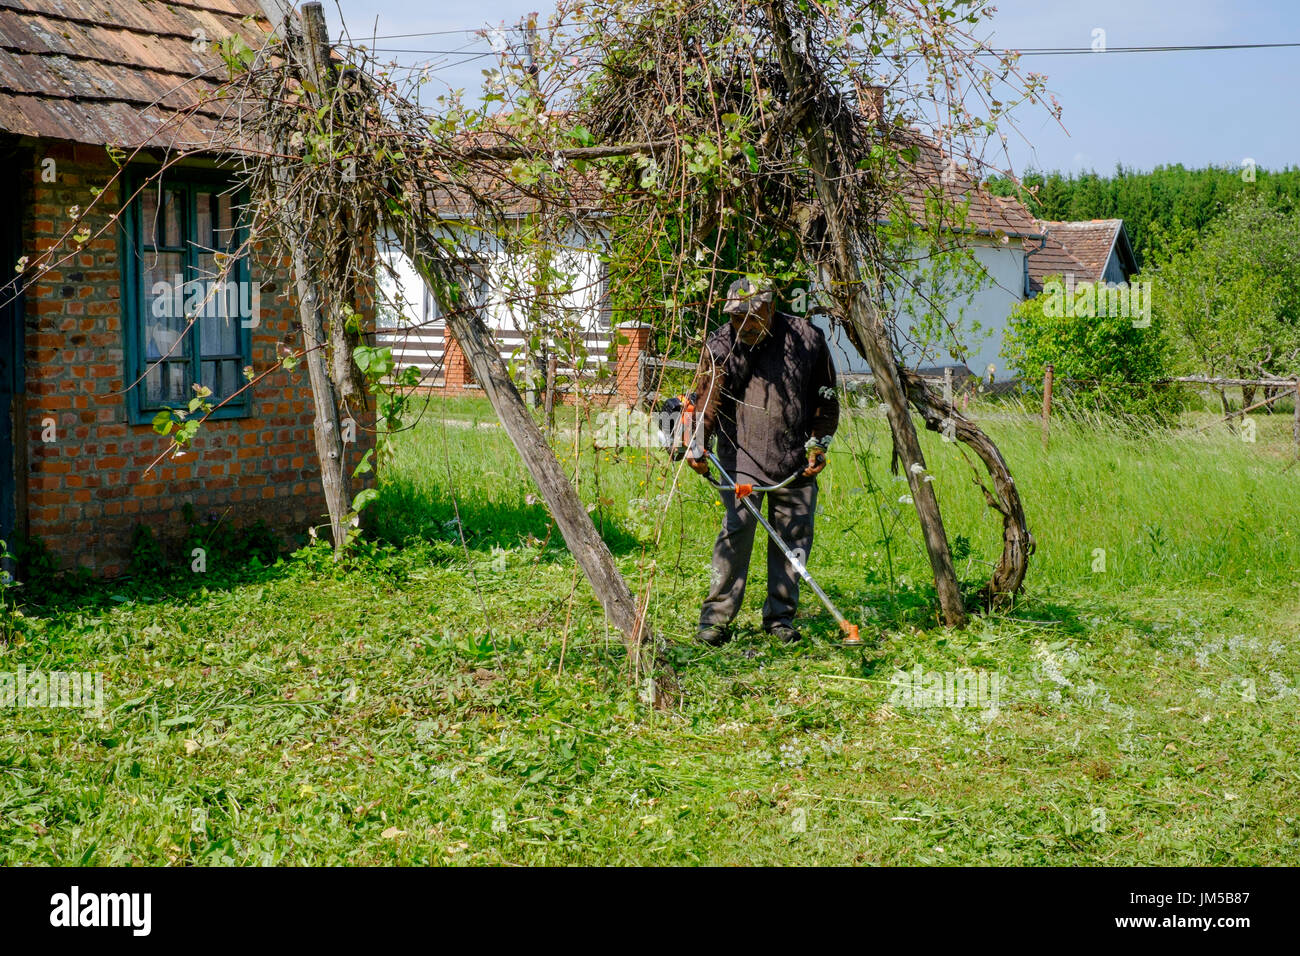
766,389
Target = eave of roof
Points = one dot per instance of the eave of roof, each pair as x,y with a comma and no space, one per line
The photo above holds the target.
119,72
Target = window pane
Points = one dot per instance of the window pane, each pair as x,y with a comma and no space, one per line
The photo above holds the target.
160,228
148,216
223,378
219,335
167,382
214,221
163,304
203,221
225,223
221,304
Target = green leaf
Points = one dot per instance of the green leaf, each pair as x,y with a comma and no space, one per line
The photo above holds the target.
363,466
364,497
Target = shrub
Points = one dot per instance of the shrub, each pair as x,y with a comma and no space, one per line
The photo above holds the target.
1102,361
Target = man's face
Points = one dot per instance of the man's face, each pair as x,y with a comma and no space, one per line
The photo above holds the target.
750,327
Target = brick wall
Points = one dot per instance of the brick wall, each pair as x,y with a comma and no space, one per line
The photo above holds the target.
89,487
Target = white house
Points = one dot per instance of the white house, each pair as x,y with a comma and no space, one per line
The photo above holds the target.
1013,253
577,309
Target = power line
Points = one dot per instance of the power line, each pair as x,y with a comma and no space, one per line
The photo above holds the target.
1024,51
469,55
1074,51
431,33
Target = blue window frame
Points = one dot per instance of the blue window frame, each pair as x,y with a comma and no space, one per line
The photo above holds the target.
188,304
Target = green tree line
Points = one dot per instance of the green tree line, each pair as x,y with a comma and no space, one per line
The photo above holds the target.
1168,200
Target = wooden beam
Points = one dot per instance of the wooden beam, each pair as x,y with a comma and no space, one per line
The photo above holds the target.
871,335
326,428
580,534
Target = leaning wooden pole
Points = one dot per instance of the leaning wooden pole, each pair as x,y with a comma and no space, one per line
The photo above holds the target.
572,518
829,175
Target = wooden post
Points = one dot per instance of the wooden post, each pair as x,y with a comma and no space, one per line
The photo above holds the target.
325,424
1295,421
864,318
1048,372
562,500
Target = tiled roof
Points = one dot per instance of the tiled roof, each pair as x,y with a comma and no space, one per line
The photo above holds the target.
1053,259
1089,242
116,71
934,176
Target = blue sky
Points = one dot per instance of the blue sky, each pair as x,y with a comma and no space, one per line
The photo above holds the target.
1140,109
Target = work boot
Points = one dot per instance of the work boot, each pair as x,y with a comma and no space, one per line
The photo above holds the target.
714,635
785,632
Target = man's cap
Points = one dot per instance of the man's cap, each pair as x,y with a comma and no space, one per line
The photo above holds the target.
744,297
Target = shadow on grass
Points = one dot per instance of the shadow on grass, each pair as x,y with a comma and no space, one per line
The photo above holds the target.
401,527
878,611
41,596
402,513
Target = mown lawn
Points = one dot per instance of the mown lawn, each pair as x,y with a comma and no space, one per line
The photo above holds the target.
452,695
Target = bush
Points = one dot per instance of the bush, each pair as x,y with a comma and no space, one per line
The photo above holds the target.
1102,362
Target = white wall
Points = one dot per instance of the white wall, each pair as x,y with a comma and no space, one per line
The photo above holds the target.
1002,288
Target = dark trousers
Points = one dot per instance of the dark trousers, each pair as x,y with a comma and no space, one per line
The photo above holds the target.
790,512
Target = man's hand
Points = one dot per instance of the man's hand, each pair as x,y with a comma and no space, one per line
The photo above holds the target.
698,465
816,462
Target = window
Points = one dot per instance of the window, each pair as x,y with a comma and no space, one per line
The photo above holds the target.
404,301
188,305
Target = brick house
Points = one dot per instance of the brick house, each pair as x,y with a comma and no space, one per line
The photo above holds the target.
92,349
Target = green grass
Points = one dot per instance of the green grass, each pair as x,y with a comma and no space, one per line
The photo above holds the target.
410,706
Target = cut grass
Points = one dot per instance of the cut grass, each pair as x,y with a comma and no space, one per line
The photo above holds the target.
410,706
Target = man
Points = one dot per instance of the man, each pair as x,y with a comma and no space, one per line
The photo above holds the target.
766,387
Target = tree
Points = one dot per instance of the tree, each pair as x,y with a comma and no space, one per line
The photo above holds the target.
1153,204
790,126
1103,359
1232,297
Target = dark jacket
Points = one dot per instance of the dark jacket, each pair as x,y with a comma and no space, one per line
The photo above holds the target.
763,402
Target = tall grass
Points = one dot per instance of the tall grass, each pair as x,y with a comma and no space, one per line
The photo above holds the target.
1109,505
